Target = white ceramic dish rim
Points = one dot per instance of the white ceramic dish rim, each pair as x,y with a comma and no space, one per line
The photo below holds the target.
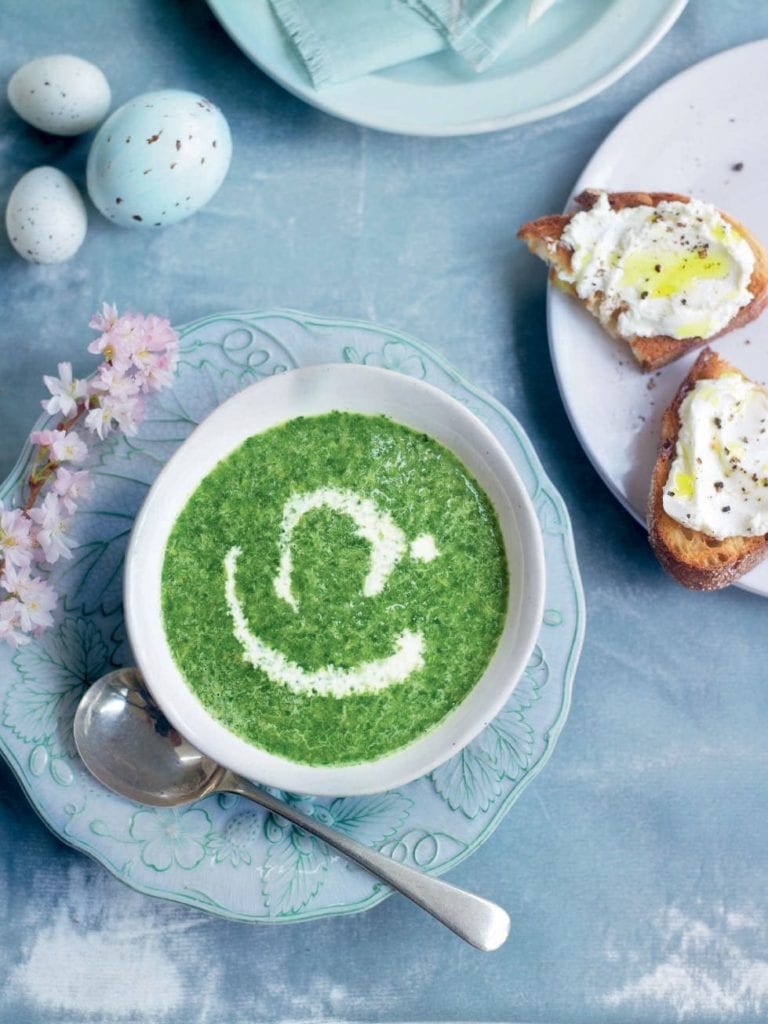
307,391
598,173
342,101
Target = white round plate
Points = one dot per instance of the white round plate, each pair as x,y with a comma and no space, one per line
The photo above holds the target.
573,52
702,134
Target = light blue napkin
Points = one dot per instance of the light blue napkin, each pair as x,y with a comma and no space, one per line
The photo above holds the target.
338,40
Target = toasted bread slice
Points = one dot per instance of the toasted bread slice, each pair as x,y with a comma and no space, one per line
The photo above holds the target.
695,559
543,238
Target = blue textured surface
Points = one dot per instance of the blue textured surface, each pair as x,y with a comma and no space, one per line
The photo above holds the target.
634,866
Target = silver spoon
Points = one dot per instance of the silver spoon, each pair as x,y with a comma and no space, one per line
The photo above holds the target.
127,743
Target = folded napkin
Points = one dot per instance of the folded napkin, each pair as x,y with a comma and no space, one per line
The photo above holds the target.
338,40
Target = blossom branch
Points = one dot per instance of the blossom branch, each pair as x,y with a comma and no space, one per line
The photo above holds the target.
139,356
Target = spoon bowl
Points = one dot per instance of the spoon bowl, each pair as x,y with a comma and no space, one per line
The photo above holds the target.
126,742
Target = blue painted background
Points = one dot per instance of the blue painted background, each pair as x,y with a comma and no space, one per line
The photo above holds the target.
635,866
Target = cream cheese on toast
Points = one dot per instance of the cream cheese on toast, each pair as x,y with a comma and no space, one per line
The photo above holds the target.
677,269
718,481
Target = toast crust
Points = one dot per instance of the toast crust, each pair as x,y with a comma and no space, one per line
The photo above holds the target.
693,558
543,238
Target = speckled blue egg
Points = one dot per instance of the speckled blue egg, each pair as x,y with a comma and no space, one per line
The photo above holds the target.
45,217
60,94
158,159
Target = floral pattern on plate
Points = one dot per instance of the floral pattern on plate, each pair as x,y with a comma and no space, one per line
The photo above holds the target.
223,854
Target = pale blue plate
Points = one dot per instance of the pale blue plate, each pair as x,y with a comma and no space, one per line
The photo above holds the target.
223,854
573,52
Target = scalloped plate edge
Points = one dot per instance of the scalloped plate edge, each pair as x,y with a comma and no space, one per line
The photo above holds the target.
196,900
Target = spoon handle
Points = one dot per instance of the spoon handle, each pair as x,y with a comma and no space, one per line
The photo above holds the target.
474,919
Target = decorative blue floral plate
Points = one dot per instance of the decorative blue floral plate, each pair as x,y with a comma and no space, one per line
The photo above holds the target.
224,854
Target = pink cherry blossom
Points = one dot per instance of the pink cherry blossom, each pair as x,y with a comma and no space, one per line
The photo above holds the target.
120,403
43,438
69,447
65,447
105,346
72,487
52,528
156,335
156,371
105,319
127,411
133,341
16,542
65,390
99,421
114,382
118,344
37,598
10,622
121,411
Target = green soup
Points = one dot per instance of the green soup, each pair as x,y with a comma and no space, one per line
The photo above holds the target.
334,588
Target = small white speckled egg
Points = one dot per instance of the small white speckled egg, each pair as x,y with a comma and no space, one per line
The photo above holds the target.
60,94
158,158
45,217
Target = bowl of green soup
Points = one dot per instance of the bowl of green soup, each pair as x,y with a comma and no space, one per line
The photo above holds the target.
336,581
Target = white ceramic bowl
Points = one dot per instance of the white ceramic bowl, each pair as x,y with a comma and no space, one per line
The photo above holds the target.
309,392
